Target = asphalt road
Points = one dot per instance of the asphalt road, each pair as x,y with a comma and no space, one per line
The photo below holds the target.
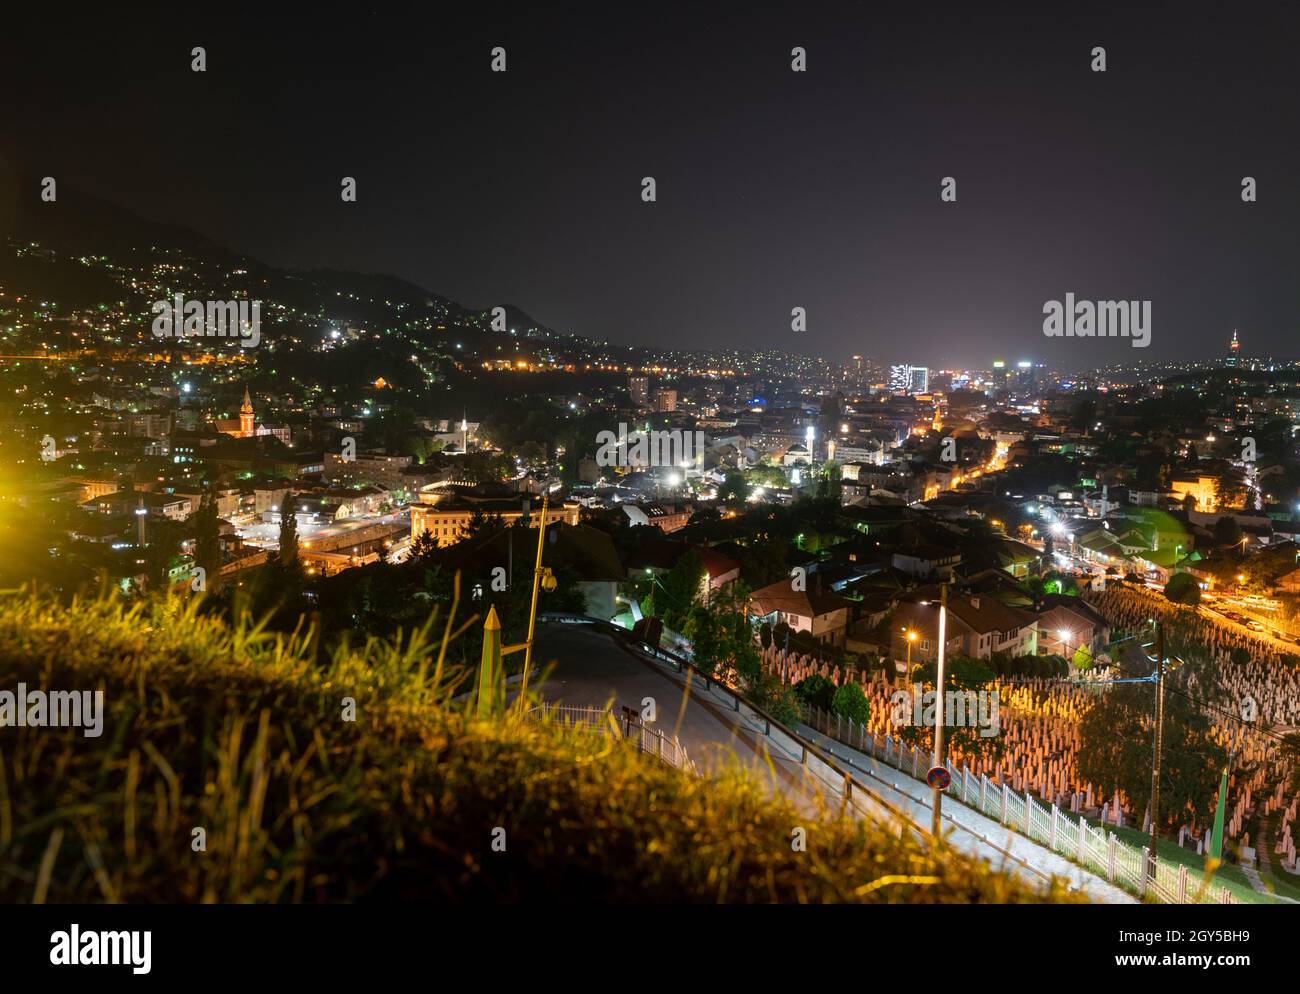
592,670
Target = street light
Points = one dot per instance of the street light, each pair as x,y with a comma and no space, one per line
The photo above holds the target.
937,793
911,637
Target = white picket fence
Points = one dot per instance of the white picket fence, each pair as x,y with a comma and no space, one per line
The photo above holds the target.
1059,831
648,738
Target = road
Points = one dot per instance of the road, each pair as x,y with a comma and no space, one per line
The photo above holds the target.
592,670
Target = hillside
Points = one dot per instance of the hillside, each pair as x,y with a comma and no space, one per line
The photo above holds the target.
82,227
241,733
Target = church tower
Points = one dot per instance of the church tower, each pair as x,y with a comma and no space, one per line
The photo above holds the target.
246,429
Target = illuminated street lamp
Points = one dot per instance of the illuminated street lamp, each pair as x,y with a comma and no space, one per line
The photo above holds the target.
911,637
936,797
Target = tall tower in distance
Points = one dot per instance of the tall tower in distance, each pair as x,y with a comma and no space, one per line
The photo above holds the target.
246,429
1234,350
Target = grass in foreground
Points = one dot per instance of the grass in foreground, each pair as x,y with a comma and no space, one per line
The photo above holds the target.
241,733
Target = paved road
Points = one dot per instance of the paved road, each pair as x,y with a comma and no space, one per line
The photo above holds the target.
591,669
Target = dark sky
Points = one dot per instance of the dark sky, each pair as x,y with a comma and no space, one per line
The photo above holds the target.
776,189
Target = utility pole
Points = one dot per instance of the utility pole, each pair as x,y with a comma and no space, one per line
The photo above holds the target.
935,792
1159,735
540,577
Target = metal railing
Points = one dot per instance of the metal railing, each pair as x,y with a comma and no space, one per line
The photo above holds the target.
647,738
1094,849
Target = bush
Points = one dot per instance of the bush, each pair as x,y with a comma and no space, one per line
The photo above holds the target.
780,701
815,691
240,731
850,702
963,672
1182,588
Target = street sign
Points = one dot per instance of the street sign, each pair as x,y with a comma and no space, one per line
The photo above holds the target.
938,777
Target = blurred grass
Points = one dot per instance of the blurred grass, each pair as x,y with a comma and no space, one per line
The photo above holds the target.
240,731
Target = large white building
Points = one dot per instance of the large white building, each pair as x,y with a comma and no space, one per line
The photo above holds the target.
909,379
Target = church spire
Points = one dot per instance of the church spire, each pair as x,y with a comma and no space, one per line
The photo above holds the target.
246,429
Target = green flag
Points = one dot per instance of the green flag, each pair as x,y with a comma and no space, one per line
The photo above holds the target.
1216,841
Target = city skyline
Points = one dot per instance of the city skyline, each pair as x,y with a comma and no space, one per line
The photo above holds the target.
1065,181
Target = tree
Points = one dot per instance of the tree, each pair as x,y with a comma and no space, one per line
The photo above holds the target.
423,546
1227,532
532,453
723,640
207,541
481,525
677,592
1116,733
734,486
828,482
161,553
288,557
1182,588
964,677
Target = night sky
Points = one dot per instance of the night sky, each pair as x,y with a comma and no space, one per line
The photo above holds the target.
776,189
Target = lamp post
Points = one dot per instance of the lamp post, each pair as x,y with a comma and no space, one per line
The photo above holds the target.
911,637
936,793
1159,735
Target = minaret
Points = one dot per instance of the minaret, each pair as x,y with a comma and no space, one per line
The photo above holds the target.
1234,349
246,416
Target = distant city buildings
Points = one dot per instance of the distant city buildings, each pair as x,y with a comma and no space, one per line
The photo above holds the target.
909,379
638,388
1234,351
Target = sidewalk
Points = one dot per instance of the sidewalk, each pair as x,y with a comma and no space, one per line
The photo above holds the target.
913,797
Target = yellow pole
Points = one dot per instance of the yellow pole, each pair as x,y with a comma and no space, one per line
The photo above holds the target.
537,581
489,668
